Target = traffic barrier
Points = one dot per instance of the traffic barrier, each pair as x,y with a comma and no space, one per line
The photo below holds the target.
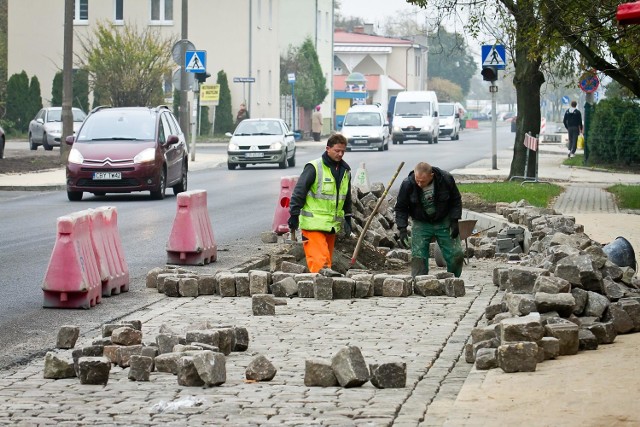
543,126
471,124
191,241
114,272
72,279
281,216
361,179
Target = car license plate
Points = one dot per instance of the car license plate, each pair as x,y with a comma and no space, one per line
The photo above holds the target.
107,175
359,141
253,155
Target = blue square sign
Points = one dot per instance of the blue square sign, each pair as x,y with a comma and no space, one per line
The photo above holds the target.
494,56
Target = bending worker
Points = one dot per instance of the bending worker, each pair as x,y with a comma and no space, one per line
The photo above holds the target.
321,200
429,196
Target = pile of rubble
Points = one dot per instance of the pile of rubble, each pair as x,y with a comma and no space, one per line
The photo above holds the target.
564,296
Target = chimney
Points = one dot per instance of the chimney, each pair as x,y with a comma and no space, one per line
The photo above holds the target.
368,29
358,29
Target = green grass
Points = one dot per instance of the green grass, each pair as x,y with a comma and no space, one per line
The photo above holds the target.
627,196
536,194
578,161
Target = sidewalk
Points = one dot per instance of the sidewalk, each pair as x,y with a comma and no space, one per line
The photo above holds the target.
593,388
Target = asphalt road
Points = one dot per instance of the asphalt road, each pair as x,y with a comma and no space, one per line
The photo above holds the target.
241,206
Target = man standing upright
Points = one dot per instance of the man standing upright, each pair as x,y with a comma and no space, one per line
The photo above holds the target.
573,122
429,196
316,124
321,200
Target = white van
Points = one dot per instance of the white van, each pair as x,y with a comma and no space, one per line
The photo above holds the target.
450,119
415,116
365,126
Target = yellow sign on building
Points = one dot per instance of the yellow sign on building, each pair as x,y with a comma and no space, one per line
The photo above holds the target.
210,93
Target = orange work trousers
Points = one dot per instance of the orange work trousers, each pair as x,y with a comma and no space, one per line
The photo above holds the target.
318,249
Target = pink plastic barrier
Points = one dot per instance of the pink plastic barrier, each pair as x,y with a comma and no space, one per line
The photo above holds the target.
281,217
191,241
114,271
72,279
471,124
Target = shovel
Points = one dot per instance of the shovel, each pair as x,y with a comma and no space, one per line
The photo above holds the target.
375,210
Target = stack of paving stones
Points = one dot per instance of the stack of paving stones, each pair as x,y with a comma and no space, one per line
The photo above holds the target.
269,289
564,296
196,358
348,368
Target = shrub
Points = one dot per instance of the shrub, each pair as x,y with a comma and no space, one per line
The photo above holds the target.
614,133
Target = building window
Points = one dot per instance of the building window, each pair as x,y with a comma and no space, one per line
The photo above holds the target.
418,59
81,11
118,11
162,11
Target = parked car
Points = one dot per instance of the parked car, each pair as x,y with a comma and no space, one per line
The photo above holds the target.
480,116
46,127
260,141
365,126
2,142
127,149
509,115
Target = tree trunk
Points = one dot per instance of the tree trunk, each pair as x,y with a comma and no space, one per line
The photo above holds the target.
528,80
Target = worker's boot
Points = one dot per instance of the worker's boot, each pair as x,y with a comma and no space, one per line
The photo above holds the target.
419,267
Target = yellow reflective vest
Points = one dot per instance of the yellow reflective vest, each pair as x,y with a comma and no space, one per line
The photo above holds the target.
323,209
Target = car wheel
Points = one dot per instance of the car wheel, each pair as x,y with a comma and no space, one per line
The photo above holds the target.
232,166
74,196
401,142
292,160
381,148
45,144
283,163
182,185
32,145
435,140
158,194
395,142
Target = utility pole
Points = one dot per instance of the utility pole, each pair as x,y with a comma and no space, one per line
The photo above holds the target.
184,101
67,80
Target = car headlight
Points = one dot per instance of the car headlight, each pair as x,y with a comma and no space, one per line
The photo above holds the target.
375,135
232,147
397,129
145,156
276,146
75,157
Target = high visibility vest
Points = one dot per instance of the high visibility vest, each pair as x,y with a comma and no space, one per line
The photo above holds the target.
323,209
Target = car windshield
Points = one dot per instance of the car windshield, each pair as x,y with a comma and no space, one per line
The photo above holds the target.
262,127
56,115
446,109
413,109
362,119
136,125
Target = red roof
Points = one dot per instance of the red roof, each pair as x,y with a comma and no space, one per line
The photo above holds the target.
341,36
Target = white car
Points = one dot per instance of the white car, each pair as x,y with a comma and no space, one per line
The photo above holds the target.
450,120
46,127
259,141
365,126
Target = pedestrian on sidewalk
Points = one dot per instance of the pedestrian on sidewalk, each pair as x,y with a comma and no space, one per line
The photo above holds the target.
573,122
320,202
243,114
431,198
316,123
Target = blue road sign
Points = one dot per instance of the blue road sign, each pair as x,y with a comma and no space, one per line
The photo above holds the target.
494,56
195,61
565,100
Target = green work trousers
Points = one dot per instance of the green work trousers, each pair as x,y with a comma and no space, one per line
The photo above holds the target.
421,235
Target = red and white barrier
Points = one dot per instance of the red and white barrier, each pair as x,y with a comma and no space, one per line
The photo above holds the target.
281,216
114,272
530,142
543,126
191,241
72,279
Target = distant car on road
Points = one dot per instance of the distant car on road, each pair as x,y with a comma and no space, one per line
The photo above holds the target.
260,141
127,149
46,127
480,116
365,126
2,142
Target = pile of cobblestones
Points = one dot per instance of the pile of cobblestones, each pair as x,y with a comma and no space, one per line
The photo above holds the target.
565,295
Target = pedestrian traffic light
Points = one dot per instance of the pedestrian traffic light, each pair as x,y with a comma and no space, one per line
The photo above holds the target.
489,73
628,13
202,77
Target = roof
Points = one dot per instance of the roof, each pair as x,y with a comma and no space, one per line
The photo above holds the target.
342,37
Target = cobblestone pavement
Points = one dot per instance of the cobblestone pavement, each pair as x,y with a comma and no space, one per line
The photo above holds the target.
585,199
428,334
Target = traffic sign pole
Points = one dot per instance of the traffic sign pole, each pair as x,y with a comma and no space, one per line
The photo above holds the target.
494,139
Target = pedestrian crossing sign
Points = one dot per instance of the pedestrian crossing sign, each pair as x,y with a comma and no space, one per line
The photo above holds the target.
494,56
195,61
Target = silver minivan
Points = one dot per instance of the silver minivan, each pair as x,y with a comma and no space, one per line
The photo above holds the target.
365,126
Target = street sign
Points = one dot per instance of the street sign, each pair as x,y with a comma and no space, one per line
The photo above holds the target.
291,77
589,82
195,61
565,100
176,51
210,93
244,80
494,56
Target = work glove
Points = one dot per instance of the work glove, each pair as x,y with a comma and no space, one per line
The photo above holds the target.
294,222
403,240
455,231
347,225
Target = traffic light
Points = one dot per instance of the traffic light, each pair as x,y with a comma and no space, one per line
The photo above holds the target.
489,73
628,13
202,77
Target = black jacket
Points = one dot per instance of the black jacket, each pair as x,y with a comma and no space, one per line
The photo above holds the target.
572,118
308,177
445,193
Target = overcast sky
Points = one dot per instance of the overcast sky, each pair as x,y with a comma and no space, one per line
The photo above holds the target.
374,11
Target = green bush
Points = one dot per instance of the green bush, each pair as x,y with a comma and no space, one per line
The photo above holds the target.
614,132
224,117
18,105
205,123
